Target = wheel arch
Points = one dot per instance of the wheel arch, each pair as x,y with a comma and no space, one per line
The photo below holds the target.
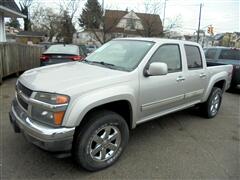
219,81
122,107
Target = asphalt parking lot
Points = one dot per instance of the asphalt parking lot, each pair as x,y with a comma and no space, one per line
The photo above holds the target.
182,145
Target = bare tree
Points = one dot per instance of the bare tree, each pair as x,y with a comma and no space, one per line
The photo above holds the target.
151,20
24,6
174,23
153,6
67,28
69,6
107,27
46,20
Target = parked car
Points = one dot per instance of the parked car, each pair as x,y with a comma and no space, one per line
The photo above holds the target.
92,48
61,53
225,55
88,107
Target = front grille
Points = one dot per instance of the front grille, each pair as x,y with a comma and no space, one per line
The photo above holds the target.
19,110
23,91
22,103
26,91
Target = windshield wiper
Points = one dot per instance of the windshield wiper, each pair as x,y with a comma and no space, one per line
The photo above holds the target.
102,63
109,65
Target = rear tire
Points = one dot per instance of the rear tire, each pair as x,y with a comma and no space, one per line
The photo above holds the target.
211,107
100,142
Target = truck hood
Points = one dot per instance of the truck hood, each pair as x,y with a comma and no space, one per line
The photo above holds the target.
64,78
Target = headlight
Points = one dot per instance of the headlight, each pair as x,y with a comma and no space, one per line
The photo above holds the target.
51,98
49,108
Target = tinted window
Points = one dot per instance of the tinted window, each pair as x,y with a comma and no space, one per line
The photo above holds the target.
210,53
194,58
169,54
233,54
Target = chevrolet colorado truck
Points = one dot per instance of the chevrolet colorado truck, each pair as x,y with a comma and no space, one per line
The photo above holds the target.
88,107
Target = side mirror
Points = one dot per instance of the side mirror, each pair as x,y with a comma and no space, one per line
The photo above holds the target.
156,69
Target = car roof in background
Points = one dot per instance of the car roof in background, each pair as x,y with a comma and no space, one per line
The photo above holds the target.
63,49
222,47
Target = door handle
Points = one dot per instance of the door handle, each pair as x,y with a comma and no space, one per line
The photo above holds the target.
202,75
180,79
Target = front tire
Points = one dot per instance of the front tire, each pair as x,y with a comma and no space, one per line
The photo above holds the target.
100,142
211,107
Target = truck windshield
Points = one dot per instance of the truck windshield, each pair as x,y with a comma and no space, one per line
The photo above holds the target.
120,54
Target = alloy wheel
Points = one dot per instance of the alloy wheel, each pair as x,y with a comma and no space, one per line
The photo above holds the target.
105,143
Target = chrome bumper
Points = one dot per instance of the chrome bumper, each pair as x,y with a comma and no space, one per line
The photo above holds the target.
46,137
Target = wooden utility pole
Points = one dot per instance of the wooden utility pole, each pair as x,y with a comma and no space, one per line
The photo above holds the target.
164,12
103,10
199,22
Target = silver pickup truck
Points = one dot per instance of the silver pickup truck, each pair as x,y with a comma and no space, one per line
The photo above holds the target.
88,107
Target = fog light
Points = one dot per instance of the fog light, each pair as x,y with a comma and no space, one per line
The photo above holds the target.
42,115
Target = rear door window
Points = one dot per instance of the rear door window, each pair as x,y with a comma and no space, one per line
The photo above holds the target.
194,58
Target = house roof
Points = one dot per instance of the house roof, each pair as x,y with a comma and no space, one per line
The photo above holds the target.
150,22
218,37
237,33
31,34
10,9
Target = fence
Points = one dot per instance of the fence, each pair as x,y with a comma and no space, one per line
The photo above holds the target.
15,58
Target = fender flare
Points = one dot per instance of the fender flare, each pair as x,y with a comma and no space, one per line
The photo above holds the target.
214,79
83,104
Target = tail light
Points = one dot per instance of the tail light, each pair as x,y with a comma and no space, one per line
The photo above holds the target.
76,58
44,58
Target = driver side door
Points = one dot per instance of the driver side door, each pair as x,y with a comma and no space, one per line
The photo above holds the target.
159,94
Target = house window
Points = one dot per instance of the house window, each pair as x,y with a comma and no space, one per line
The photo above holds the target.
131,24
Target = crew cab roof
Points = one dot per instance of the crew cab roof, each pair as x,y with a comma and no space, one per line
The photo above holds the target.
159,40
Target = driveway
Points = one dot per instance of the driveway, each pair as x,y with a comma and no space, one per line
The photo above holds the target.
182,145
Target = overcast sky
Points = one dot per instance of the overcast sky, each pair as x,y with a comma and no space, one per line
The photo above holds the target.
222,14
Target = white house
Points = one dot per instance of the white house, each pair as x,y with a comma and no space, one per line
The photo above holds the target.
8,9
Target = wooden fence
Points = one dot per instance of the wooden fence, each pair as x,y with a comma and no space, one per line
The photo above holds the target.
16,58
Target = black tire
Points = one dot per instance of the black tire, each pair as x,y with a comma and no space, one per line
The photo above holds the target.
206,108
84,140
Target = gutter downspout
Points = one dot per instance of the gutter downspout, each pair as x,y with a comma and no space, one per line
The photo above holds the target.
2,29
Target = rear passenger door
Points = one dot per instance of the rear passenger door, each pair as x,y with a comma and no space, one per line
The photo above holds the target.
196,77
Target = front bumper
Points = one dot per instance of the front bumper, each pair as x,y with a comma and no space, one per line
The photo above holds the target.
45,137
